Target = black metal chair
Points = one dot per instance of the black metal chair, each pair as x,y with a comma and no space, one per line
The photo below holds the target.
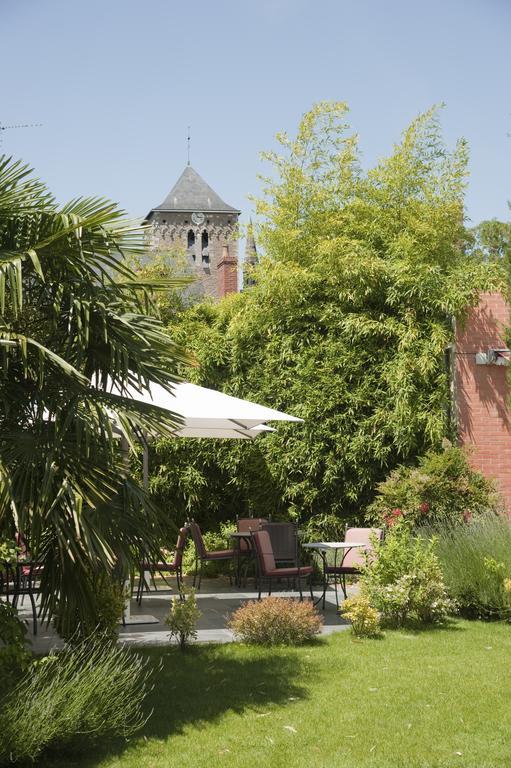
284,542
245,551
19,580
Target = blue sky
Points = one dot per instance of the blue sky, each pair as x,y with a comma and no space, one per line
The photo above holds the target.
116,83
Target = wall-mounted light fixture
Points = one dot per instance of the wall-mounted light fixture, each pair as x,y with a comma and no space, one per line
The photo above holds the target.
493,357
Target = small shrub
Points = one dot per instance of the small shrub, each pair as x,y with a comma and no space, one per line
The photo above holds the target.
9,551
476,562
275,621
90,690
443,488
404,580
108,598
365,620
182,619
15,658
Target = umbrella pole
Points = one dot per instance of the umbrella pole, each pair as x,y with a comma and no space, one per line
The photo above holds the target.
128,619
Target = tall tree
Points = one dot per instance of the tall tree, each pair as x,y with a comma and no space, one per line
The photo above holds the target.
74,319
491,241
350,315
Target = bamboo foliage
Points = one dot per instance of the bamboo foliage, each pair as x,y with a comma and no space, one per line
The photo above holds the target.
346,325
74,318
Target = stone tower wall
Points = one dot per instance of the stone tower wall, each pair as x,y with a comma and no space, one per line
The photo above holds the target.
170,230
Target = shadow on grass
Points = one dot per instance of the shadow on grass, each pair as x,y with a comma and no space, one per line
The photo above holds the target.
199,686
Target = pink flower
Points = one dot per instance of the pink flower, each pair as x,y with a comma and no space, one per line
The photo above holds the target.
396,512
424,507
467,516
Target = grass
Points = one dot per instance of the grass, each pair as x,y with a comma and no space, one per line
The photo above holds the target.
430,699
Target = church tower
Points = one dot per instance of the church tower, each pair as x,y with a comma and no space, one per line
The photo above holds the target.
194,218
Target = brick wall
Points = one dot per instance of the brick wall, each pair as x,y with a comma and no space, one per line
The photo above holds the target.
481,391
227,273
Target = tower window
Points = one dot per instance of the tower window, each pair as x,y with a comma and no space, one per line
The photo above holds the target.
191,243
205,247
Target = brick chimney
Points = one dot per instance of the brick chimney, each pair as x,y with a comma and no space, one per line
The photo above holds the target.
227,273
481,390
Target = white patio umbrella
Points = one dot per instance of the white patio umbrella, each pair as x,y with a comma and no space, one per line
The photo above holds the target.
206,413
206,410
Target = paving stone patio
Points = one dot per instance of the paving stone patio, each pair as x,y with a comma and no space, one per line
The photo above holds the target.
216,601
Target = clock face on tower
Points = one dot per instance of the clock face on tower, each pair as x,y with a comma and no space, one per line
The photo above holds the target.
198,218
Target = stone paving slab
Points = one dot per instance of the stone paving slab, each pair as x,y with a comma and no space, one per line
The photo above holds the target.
216,601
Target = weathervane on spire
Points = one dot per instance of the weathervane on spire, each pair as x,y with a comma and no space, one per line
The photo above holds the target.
188,141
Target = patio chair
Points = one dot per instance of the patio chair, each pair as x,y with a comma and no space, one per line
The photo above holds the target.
248,524
267,568
284,542
354,558
174,566
202,555
19,580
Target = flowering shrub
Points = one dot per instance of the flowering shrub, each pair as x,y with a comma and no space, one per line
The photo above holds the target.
275,621
182,619
365,620
404,580
442,488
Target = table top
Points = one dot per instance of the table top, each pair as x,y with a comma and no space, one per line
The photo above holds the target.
326,545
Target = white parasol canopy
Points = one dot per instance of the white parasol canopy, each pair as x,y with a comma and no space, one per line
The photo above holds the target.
206,413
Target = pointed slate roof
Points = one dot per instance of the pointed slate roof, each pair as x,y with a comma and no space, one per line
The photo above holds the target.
191,193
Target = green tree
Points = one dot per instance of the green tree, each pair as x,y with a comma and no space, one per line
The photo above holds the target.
491,241
350,315
74,317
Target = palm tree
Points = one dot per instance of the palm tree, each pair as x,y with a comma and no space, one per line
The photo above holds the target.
73,319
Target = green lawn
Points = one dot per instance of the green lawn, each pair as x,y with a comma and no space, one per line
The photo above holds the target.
435,698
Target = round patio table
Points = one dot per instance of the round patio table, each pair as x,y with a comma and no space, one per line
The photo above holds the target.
323,548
